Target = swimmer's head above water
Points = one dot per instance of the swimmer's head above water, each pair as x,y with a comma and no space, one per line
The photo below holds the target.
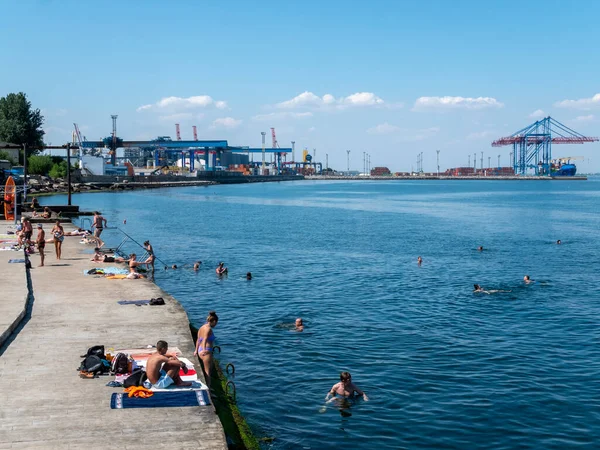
480,248
477,288
559,242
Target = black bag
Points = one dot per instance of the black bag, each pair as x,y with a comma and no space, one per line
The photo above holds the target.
109,259
92,364
137,378
157,301
97,350
119,364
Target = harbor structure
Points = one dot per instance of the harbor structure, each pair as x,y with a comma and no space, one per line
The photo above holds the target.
532,146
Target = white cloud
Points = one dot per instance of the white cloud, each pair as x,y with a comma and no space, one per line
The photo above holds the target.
312,129
445,103
588,118
537,114
419,135
282,115
582,103
226,122
480,135
174,104
383,128
309,100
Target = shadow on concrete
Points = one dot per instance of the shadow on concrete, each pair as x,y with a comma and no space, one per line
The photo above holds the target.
28,310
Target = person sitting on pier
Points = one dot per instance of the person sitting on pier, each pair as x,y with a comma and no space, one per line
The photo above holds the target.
221,270
162,370
133,273
98,257
34,204
47,214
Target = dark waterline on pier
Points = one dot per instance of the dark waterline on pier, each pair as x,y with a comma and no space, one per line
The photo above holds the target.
444,368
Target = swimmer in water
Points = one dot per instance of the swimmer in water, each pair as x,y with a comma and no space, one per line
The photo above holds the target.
419,261
221,270
197,265
345,388
249,276
527,279
480,248
299,324
174,266
479,289
558,242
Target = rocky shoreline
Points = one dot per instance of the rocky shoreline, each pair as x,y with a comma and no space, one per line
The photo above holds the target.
40,185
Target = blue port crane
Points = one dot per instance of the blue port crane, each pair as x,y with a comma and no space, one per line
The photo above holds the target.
532,146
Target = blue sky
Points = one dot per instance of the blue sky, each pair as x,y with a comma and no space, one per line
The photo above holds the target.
392,78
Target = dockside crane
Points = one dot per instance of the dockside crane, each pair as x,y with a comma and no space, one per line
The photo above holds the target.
532,145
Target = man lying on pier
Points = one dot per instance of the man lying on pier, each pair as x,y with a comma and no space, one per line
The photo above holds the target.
162,370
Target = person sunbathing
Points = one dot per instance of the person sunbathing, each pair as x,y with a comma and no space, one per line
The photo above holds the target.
162,370
98,257
133,264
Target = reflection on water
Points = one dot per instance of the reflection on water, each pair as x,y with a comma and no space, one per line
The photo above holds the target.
444,367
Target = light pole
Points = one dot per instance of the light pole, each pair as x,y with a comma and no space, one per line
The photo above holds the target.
421,162
481,160
489,162
475,162
327,163
293,151
348,158
365,163
469,160
369,164
263,134
438,162
498,161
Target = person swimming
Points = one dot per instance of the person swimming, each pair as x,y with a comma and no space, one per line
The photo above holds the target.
221,269
527,279
558,242
419,261
299,324
249,276
478,288
197,265
480,248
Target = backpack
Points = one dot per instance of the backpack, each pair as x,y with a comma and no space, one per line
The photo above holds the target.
119,364
92,364
157,301
97,350
137,378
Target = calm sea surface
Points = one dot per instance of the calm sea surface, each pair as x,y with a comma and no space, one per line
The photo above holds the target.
443,367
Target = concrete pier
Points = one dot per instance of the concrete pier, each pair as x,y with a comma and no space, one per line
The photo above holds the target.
43,401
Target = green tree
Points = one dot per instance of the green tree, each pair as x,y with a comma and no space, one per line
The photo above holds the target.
59,170
39,164
19,123
6,156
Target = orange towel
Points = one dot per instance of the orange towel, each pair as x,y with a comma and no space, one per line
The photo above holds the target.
139,391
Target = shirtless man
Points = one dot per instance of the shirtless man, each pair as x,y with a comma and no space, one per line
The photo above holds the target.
162,370
99,224
345,388
27,229
527,279
221,270
41,242
299,324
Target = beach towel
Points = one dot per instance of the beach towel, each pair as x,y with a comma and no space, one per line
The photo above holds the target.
134,302
173,399
16,261
140,361
110,270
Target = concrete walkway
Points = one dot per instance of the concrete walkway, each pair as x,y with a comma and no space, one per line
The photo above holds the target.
44,403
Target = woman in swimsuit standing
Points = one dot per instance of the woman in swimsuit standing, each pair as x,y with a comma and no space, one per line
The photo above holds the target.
204,345
151,257
59,236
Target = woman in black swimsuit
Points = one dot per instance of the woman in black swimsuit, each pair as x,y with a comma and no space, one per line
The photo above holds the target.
151,257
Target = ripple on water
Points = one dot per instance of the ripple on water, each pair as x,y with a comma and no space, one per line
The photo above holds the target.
444,368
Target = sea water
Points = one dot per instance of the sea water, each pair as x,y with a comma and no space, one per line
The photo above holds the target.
443,367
